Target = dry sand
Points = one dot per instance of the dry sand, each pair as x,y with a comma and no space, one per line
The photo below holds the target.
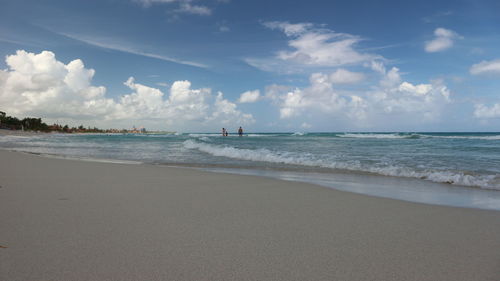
75,220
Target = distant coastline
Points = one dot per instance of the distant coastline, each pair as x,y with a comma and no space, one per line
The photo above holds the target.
30,125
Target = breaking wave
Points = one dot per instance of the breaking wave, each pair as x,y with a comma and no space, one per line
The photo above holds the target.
198,135
380,136
266,155
494,137
416,136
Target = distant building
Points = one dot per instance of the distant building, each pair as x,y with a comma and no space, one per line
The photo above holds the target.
135,130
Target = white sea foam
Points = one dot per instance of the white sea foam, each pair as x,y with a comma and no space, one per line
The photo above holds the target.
204,135
379,136
262,154
414,136
198,135
494,137
265,155
260,135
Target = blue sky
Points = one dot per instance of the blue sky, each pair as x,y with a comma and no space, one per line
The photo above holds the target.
304,65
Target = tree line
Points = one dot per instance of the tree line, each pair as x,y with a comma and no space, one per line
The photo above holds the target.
36,124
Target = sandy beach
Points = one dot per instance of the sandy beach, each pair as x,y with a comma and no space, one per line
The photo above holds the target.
64,219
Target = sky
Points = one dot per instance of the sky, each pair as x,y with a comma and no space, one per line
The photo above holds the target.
268,66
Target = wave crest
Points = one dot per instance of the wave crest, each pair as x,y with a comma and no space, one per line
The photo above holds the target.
380,136
265,155
415,136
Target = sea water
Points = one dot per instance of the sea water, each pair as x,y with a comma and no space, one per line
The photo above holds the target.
459,169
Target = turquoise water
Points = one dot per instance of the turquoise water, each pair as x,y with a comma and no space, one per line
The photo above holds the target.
450,161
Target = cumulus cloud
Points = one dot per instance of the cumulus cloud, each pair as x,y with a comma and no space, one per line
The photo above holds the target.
40,85
392,97
443,40
312,46
486,67
342,76
486,112
319,97
420,102
273,92
249,96
226,112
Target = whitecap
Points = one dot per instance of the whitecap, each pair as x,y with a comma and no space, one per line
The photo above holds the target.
283,157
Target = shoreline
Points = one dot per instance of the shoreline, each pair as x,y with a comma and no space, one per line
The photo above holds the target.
74,220
380,186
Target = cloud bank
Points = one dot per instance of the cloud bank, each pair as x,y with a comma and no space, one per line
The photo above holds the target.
41,86
392,99
249,96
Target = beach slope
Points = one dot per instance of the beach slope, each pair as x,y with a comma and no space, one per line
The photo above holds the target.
74,220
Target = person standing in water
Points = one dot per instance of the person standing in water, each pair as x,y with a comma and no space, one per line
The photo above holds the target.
224,132
240,131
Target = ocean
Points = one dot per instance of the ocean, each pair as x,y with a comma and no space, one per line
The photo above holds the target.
455,169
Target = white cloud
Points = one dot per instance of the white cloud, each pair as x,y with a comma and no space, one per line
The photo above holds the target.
444,39
249,96
226,112
421,102
484,112
121,47
486,67
194,9
437,16
290,29
342,76
319,97
148,3
184,6
377,66
312,46
393,98
41,86
274,91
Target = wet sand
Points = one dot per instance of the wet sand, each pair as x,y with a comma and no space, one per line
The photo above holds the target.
74,220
